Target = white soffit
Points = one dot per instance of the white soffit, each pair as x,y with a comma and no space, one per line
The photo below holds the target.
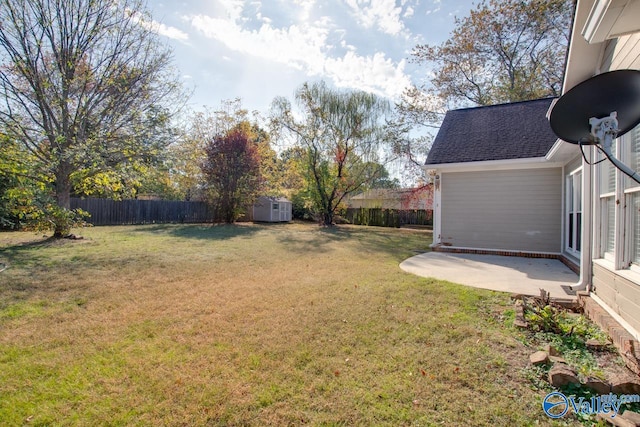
611,18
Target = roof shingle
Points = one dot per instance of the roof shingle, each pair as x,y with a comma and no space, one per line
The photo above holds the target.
518,130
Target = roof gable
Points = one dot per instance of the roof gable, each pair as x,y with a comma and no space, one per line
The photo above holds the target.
518,130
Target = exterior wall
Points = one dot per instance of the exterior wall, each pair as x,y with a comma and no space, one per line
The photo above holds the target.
373,203
619,289
622,53
619,293
262,210
512,210
394,199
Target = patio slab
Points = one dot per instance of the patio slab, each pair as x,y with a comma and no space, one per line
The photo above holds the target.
518,275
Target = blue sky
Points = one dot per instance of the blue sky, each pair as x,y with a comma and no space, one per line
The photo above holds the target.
257,50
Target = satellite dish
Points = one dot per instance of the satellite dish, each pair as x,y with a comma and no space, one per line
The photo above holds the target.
597,97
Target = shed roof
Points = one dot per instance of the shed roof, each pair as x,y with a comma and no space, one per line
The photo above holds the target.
273,199
518,130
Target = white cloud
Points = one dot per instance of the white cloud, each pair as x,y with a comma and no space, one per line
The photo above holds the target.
159,28
167,31
437,6
408,13
305,8
305,47
376,74
382,14
233,8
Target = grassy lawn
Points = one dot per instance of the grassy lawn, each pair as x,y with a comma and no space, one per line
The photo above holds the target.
249,325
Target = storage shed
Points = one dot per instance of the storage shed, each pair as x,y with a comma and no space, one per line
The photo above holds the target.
272,209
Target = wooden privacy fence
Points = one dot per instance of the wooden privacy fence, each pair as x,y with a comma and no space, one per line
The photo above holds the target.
389,217
117,212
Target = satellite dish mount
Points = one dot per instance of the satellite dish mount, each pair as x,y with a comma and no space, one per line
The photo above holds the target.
609,103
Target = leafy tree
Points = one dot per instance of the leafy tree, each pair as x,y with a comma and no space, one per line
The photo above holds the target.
504,51
203,126
85,83
339,133
379,177
232,172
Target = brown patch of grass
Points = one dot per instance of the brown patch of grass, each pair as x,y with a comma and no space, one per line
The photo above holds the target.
249,325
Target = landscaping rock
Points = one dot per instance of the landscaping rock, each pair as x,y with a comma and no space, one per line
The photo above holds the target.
556,359
625,384
520,321
617,421
551,350
595,345
561,375
597,385
626,419
634,417
539,358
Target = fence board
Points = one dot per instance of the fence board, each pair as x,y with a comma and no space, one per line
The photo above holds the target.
122,212
389,217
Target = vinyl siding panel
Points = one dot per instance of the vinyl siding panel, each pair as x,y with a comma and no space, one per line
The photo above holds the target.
516,210
622,53
573,165
619,293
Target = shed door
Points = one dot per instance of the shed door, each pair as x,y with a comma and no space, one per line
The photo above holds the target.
275,209
283,212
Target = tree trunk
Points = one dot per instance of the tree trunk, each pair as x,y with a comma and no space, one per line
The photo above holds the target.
63,196
327,219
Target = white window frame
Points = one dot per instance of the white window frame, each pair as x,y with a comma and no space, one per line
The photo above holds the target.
620,258
573,199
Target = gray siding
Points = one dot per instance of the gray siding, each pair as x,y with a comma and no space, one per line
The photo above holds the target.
620,294
262,210
622,53
515,210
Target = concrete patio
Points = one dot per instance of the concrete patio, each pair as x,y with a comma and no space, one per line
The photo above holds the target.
499,273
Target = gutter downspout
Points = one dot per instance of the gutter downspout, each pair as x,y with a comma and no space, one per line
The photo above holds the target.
587,227
437,209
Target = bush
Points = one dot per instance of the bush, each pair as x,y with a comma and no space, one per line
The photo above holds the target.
51,217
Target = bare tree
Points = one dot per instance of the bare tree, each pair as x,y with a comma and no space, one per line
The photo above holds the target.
84,83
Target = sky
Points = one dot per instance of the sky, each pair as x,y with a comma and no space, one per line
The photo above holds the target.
258,50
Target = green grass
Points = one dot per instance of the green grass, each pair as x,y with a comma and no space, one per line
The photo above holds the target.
250,325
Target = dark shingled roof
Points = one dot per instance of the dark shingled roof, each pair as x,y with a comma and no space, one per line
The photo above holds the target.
519,130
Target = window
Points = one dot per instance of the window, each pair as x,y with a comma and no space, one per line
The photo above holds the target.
574,211
275,207
631,157
607,206
620,205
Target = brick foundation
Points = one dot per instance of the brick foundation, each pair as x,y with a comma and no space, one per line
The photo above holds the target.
566,261
626,344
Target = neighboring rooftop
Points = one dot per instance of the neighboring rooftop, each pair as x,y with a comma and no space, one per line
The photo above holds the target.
518,130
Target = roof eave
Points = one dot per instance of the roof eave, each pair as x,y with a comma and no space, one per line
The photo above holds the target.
491,165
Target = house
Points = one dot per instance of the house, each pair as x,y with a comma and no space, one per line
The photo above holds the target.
420,198
495,188
506,184
272,209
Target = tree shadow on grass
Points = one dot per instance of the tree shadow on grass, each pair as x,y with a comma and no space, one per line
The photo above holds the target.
200,231
390,241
